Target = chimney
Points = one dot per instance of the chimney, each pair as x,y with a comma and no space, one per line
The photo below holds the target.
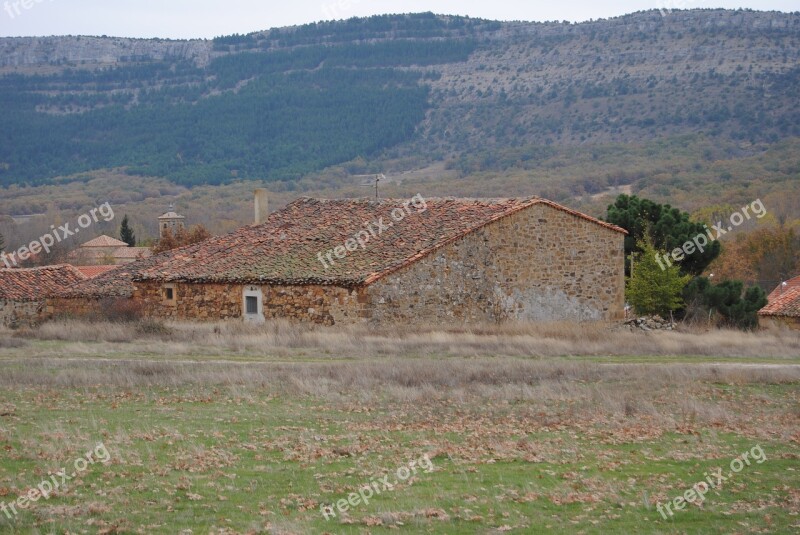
261,205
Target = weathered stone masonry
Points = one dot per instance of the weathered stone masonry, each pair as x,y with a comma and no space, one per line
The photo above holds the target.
539,264
209,302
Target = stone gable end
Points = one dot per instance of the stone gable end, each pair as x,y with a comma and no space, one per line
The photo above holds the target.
539,264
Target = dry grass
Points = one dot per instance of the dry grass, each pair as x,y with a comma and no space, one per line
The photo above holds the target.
389,364
615,397
520,340
304,378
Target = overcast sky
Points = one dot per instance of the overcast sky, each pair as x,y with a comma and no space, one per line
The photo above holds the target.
210,18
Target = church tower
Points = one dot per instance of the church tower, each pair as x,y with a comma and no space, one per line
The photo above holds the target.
171,220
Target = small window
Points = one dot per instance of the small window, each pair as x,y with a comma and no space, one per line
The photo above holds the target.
169,294
251,304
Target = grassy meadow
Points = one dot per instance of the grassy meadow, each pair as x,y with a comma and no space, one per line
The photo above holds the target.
529,429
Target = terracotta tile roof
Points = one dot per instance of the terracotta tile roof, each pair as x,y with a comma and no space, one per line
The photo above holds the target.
781,289
33,284
132,252
105,241
93,271
286,248
784,302
117,282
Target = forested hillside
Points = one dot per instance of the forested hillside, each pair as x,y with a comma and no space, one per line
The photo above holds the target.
274,114
654,103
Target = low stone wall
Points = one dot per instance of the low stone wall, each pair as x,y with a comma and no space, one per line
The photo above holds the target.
18,313
94,308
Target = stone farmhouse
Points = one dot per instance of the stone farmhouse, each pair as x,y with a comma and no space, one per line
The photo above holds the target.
24,292
355,260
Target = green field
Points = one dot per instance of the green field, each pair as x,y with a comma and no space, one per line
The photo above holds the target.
516,444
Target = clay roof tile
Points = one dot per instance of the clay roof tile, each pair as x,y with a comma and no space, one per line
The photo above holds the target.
298,245
33,284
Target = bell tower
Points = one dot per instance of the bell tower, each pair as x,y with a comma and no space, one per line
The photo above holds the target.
170,221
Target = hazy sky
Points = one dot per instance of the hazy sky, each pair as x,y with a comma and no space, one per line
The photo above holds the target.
210,18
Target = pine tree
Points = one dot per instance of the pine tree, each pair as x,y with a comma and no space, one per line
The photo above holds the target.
736,306
665,226
654,288
126,233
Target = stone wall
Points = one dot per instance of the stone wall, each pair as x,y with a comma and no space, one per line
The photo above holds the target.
327,305
540,264
18,313
779,322
93,308
209,302
192,301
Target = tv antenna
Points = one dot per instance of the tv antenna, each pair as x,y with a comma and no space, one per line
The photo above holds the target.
377,178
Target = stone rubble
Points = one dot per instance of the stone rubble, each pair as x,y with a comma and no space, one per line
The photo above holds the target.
650,323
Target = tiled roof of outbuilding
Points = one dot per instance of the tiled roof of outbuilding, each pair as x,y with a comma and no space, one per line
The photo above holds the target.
781,289
117,282
783,302
94,271
286,248
105,241
33,284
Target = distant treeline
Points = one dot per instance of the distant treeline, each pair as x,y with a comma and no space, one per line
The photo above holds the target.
412,26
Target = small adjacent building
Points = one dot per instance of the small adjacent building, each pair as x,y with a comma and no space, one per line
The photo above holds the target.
405,261
783,308
105,250
24,292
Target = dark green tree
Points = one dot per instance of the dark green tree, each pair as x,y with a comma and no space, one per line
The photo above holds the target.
126,232
737,307
668,227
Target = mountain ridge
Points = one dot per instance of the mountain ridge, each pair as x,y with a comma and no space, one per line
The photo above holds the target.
104,50
672,106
